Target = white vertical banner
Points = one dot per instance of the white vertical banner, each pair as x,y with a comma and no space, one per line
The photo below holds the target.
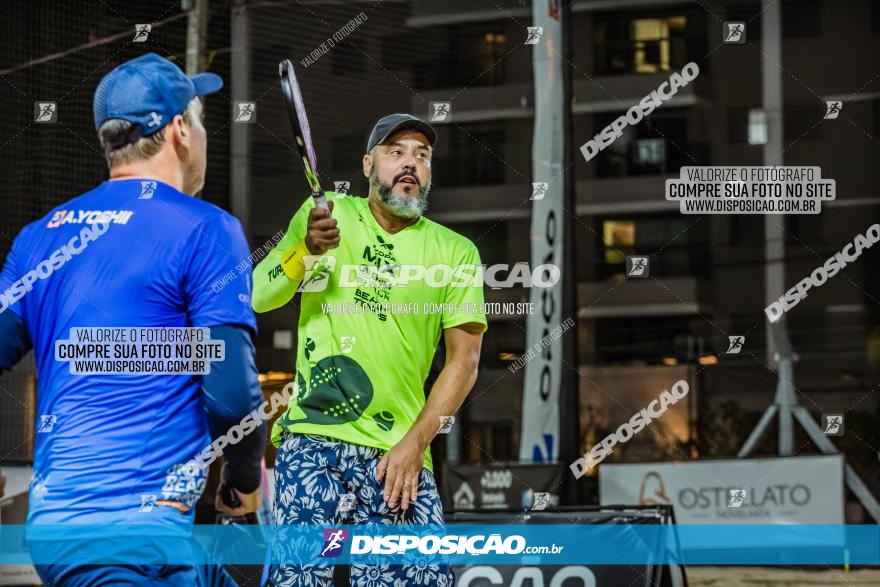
539,438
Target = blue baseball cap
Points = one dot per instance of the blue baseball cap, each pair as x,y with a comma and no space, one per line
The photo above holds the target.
149,92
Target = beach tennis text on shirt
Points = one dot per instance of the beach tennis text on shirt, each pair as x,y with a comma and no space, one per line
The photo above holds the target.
140,350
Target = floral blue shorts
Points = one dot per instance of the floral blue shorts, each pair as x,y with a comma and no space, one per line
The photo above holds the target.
312,473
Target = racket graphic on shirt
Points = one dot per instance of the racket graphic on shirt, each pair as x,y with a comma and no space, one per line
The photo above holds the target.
302,133
339,391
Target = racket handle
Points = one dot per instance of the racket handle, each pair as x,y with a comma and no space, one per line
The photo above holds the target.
320,200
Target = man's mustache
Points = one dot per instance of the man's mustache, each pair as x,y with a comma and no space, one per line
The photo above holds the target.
406,174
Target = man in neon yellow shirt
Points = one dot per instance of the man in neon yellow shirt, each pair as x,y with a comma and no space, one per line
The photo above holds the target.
388,284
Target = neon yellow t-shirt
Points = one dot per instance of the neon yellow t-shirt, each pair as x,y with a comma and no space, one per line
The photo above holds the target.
366,340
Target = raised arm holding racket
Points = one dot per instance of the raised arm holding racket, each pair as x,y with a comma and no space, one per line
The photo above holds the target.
353,446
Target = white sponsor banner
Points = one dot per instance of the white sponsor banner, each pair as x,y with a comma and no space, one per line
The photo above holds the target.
539,439
13,510
790,490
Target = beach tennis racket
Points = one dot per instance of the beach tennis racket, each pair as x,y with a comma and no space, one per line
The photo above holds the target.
301,131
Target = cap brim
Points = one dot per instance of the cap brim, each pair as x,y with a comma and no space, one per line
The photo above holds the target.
206,83
419,125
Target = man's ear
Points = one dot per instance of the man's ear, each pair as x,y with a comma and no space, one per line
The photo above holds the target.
368,164
179,134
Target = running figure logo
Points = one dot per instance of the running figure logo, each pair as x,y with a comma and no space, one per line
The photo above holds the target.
832,109
735,32
347,502
637,267
832,424
148,502
141,32
446,423
47,422
148,188
735,344
737,496
539,190
341,187
542,500
45,112
333,541
534,34
246,112
441,112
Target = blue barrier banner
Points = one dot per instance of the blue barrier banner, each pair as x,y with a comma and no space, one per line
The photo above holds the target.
455,544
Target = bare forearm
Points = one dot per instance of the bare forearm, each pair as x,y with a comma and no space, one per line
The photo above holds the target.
448,393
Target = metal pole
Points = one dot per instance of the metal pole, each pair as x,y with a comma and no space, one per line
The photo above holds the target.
569,400
239,137
196,34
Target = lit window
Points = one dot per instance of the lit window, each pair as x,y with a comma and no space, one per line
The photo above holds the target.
651,42
757,127
619,237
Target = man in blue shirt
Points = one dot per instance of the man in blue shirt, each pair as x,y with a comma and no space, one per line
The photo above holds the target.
136,252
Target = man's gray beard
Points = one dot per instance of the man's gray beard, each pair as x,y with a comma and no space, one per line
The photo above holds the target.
403,206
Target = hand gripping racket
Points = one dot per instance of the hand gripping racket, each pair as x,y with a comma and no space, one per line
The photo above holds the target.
301,130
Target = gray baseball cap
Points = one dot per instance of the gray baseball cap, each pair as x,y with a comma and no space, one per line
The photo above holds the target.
392,123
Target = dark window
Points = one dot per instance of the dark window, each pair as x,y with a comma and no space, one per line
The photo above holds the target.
646,338
465,55
738,125
803,121
345,158
801,18
473,156
347,60
656,146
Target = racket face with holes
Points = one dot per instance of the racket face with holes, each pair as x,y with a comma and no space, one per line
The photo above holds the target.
301,131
